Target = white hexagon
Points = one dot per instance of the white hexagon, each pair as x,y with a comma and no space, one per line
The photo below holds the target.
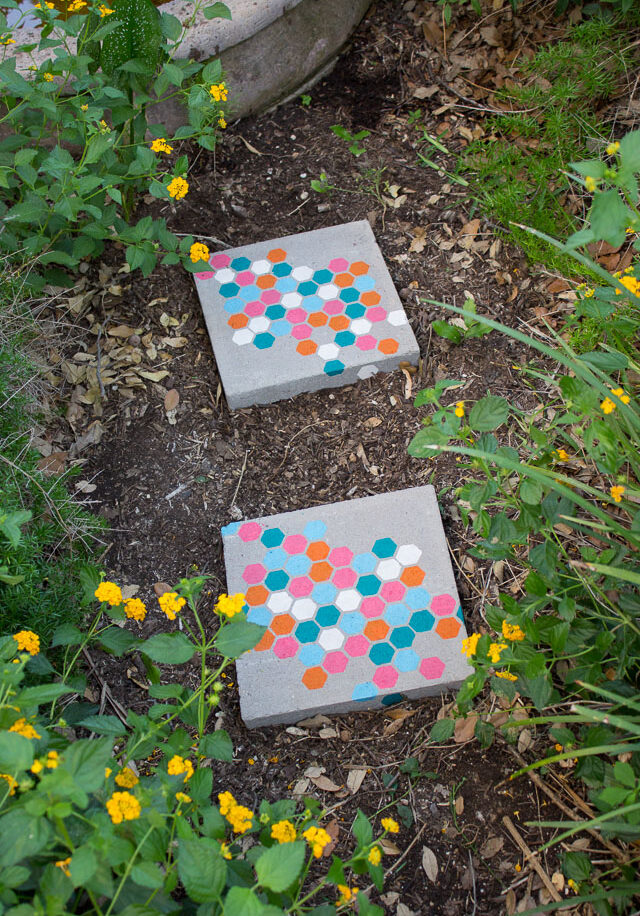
367,372
397,317
408,554
261,267
279,602
360,326
388,569
302,273
304,609
328,291
331,639
348,600
260,323
243,336
291,300
225,275
328,351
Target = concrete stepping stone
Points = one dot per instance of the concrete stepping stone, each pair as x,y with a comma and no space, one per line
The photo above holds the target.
360,603
309,311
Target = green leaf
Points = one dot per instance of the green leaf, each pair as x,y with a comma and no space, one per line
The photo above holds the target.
45,693
166,691
16,752
609,217
86,760
484,732
169,648
576,865
11,524
22,836
539,689
630,150
201,868
238,636
217,745
104,725
530,492
139,36
489,413
82,866
362,829
241,901
625,774
448,331
217,11
366,908
278,867
442,730
117,640
147,874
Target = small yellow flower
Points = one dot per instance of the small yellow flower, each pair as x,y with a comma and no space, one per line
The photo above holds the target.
619,393
589,292
225,852
63,864
218,92
36,767
7,40
559,748
22,727
573,885
126,778
179,765
183,798
562,455
76,5
251,761
47,77
470,644
613,148
11,782
178,188
518,867
123,806
161,146
616,493
607,406
135,609
222,121
347,894
28,641
52,760
495,651
590,183
198,252
104,11
459,411
390,825
107,772
84,107
317,838
230,605
171,604
375,855
506,676
104,127
283,832
512,631
631,284
226,802
109,593
240,818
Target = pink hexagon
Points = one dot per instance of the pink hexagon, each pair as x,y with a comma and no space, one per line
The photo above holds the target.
270,296
295,543
245,278
442,605
254,573
340,556
431,668
334,306
220,260
344,578
301,587
205,275
385,676
301,332
250,531
295,316
285,647
335,662
393,591
366,342
337,265
356,646
255,308
376,313
372,606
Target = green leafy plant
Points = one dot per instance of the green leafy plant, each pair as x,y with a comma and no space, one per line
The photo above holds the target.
61,201
353,140
458,329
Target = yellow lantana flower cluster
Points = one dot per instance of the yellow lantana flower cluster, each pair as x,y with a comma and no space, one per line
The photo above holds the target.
126,778
178,188
178,765
390,825
51,761
171,604
11,782
135,609
160,145
347,894
608,405
506,676
63,865
317,838
123,806
28,641
375,855
512,631
283,832
470,644
104,10
22,727
218,92
459,411
183,798
109,593
616,493
76,5
239,817
631,283
198,252
230,605
495,651
7,40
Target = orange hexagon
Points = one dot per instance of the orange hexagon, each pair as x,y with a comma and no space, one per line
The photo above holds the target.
266,281
265,643
370,298
282,624
318,550
320,572
314,678
276,255
256,595
343,280
388,345
339,323
359,267
412,575
238,321
317,319
307,347
448,628
376,629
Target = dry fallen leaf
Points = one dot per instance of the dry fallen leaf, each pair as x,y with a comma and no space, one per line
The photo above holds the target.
491,847
53,463
464,729
355,779
389,847
430,864
83,486
173,342
525,740
325,784
459,806
160,588
121,330
372,422
333,829
171,399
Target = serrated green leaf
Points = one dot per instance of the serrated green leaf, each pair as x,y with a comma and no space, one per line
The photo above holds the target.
442,730
489,413
168,648
217,745
278,867
201,868
238,636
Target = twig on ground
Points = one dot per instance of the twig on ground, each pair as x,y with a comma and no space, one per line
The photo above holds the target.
531,857
242,470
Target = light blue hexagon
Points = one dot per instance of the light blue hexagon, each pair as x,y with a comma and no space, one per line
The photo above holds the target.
364,283
298,565
261,615
395,614
312,303
234,306
406,660
315,530
353,623
311,655
417,598
364,563
250,293
280,328
324,593
286,285
231,528
367,690
274,559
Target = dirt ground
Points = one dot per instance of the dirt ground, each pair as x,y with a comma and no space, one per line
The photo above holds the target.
168,476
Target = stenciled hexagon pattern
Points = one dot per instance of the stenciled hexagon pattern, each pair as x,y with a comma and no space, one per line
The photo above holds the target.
322,603
271,298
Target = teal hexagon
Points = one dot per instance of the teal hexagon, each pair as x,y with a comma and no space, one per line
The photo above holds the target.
368,585
277,580
272,537
384,548
402,637
307,631
381,653
327,615
421,621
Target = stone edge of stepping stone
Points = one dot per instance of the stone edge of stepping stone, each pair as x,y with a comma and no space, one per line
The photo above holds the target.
295,709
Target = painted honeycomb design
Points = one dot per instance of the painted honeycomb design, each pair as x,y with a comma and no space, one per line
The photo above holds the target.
326,605
270,298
